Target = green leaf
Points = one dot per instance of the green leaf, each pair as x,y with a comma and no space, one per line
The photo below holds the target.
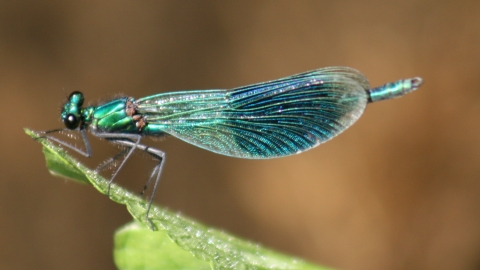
136,247
58,165
171,241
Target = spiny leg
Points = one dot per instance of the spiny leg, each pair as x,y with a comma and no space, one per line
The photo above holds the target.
145,187
107,162
130,140
87,153
160,156
157,171
159,168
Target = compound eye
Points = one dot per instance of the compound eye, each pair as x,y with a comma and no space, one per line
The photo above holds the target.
71,121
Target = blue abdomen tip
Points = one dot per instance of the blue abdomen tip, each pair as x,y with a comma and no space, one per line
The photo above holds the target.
394,89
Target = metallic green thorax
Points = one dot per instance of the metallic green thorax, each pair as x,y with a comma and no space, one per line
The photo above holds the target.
110,117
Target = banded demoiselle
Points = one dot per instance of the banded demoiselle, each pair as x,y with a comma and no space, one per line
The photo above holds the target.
265,120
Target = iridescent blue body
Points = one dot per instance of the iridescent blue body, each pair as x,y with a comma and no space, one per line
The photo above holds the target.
265,120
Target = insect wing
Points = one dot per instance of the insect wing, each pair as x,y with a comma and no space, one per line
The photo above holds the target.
264,120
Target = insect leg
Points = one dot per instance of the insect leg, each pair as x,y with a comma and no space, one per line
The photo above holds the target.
111,160
160,155
157,171
87,153
133,141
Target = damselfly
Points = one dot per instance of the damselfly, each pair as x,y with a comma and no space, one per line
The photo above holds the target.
259,121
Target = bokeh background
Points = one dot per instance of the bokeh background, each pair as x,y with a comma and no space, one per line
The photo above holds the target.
398,190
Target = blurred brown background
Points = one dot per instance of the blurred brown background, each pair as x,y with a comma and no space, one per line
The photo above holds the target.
398,190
